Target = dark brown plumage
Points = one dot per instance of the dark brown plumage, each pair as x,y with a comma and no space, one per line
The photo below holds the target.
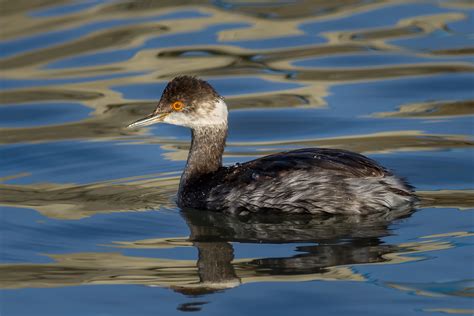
304,181
189,90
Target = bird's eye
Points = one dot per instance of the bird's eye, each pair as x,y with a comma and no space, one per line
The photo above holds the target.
177,105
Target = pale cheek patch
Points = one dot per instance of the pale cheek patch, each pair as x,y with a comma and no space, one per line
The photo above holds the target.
217,115
208,114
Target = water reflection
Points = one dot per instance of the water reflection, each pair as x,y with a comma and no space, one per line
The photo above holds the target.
389,78
463,288
433,109
106,39
76,201
330,244
327,248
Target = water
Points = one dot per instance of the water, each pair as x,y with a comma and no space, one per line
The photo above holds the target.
88,220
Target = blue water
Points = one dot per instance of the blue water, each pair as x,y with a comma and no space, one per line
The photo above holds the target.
88,220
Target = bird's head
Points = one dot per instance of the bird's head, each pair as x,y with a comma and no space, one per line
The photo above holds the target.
187,101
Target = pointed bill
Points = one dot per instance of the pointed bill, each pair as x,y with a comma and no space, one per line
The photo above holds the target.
149,120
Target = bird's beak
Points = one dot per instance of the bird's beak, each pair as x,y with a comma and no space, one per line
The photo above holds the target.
149,120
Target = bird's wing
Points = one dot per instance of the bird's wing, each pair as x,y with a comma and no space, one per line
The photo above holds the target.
340,162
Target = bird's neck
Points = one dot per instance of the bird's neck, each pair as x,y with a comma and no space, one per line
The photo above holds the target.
205,155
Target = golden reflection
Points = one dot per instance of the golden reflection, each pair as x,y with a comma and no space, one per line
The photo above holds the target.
432,109
460,199
154,243
406,28
113,268
332,246
215,270
464,51
458,4
386,142
111,110
108,124
305,8
10,8
272,20
73,201
454,311
437,289
107,121
46,94
216,267
105,39
14,176
451,234
369,144
133,35
378,73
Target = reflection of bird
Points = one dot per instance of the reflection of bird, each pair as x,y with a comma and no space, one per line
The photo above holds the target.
311,180
207,226
328,242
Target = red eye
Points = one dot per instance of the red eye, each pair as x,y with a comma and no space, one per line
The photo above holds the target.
177,106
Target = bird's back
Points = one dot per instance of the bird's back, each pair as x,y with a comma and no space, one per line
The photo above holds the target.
304,181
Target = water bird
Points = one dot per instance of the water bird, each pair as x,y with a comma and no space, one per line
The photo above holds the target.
302,181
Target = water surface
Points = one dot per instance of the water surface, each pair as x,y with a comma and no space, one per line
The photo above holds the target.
89,225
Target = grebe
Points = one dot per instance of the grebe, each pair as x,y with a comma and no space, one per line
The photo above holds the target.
303,181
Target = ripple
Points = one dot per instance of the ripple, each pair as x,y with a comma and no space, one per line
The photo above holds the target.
94,42
66,8
227,86
85,201
433,109
370,60
38,95
41,114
